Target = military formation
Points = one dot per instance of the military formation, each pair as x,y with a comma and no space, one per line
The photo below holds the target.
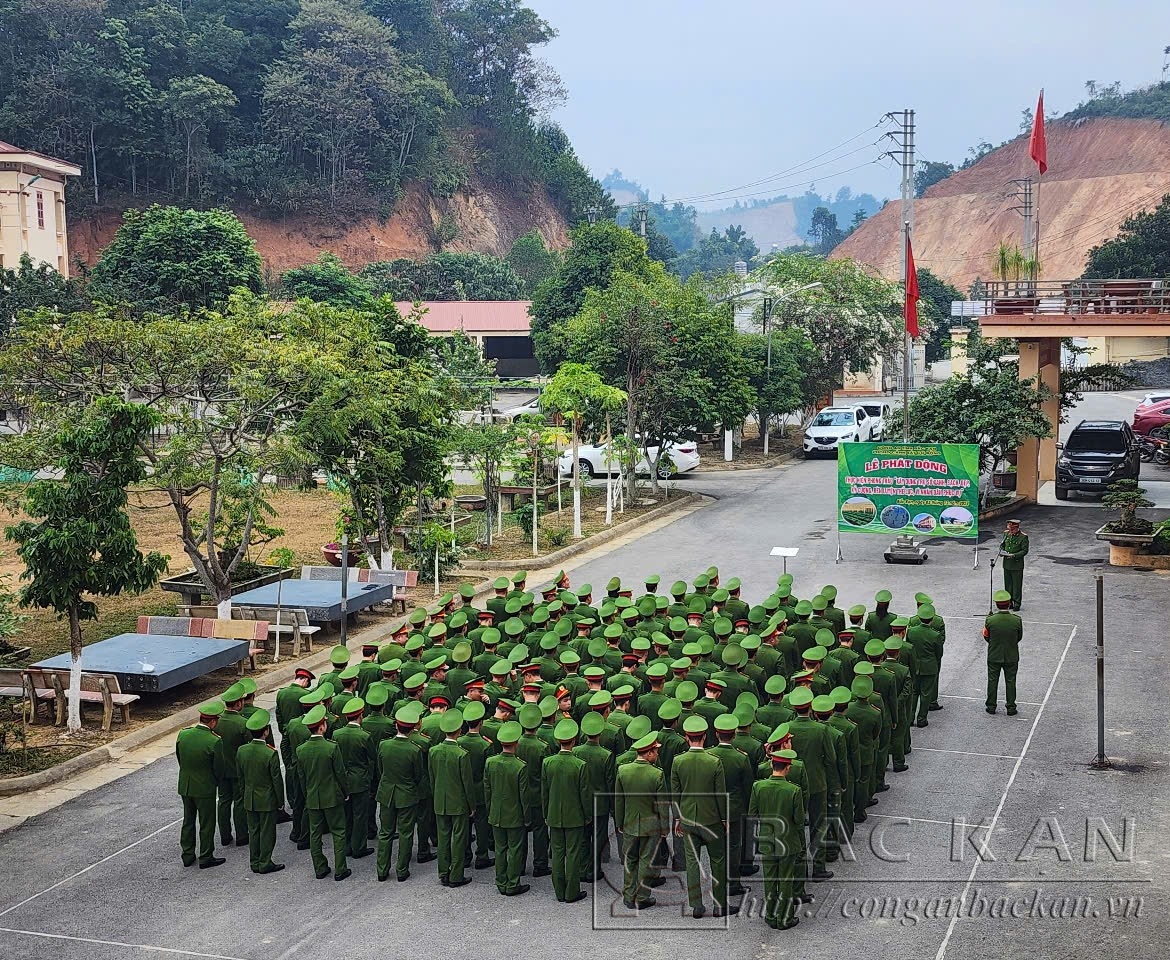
550,733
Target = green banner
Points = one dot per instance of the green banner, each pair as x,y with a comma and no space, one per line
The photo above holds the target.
917,489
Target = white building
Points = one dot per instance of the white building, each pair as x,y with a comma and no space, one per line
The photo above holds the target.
32,208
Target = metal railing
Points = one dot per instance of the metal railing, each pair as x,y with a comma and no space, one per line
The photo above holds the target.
1074,297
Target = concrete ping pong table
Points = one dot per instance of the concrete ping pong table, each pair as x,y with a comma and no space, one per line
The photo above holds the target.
152,663
320,599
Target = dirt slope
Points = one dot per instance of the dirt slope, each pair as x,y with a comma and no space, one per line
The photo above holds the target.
771,225
1099,172
486,222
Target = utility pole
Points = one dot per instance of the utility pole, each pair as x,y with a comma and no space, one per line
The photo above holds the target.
1026,209
642,211
904,154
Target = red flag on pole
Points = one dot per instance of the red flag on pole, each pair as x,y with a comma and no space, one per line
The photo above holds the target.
1038,145
910,311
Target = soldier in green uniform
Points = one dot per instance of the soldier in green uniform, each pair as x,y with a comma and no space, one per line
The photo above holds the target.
814,745
338,659
639,798
359,753
904,685
868,719
258,764
453,789
738,775
369,670
885,686
532,749
777,806
288,707
479,748
198,751
698,790
1013,549
506,794
840,697
402,777
233,733
670,744
928,649
602,770
879,623
323,775
565,795
1002,631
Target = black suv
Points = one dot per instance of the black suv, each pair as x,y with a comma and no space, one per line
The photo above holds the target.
1096,454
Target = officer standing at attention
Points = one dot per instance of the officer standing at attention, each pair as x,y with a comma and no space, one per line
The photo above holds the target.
402,778
453,787
778,806
323,775
198,750
258,764
1013,549
359,753
1002,631
928,649
639,795
506,794
233,733
698,790
565,795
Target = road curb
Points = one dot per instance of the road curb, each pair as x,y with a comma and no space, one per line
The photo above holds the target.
733,466
82,763
1011,506
557,557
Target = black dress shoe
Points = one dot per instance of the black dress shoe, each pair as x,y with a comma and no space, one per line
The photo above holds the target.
901,769
581,895
924,723
1012,712
226,841
484,864
405,876
344,873
444,881
806,898
645,904
935,706
736,890
272,868
362,853
283,816
860,817
189,863
241,841
523,888
459,883
213,862
656,881
725,911
302,844
821,875
542,872
991,709
699,912
883,787
789,925
749,870
383,877
871,802
425,857
321,875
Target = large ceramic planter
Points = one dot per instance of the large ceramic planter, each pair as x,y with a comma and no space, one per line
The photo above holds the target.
1125,549
191,588
471,501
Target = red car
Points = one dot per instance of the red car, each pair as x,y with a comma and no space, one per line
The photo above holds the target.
1148,416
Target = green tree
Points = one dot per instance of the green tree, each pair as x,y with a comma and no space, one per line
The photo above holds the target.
197,104
326,281
780,391
166,257
824,232
934,302
78,542
31,287
929,172
485,447
597,252
717,253
444,276
574,391
1140,249
532,261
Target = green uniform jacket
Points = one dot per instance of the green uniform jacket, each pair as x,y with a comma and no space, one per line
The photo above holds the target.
452,783
369,671
738,775
846,658
506,789
803,634
288,705
233,734
601,770
878,626
698,787
565,794
845,768
359,753
259,766
322,773
779,807
1015,548
379,726
928,649
532,750
402,772
886,684
198,750
771,715
479,748
814,745
640,793
868,720
1003,631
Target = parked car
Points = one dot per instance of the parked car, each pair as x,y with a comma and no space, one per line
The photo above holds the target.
834,425
526,409
1158,396
879,414
1148,416
1096,454
683,458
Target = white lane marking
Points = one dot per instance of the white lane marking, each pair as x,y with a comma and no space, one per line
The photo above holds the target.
1035,623
118,943
945,823
84,870
942,949
966,753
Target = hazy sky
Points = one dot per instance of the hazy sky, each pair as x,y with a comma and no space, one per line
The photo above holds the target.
694,97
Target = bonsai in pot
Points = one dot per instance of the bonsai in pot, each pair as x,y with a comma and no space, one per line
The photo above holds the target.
1129,533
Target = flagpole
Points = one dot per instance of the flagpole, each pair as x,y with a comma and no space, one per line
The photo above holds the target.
906,342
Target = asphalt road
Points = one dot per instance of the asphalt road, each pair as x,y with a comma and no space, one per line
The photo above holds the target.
100,877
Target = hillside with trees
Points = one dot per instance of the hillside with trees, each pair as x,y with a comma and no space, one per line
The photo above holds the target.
318,112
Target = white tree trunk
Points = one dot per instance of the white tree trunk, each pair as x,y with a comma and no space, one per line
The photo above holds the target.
576,483
74,697
608,471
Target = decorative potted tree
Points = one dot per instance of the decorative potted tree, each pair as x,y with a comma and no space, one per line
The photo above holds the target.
1129,533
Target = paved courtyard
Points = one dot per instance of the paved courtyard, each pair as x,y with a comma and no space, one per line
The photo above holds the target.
100,877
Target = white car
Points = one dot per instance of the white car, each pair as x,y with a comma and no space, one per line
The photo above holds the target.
1156,397
879,413
683,458
530,408
835,425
